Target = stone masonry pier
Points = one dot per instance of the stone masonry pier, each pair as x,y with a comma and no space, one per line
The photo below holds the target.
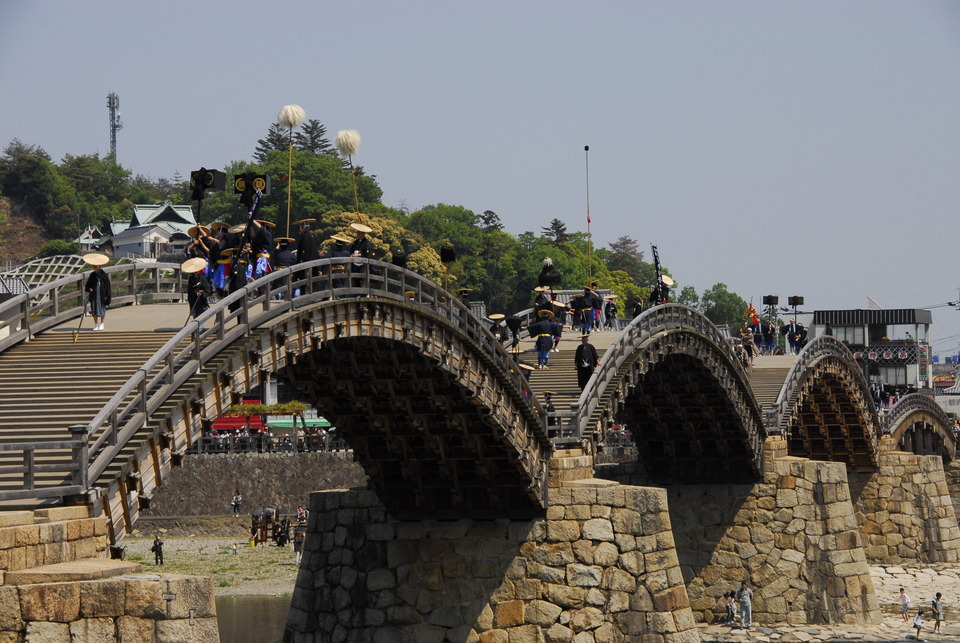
793,537
600,566
905,510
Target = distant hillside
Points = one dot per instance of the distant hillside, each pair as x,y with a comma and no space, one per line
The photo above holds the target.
20,236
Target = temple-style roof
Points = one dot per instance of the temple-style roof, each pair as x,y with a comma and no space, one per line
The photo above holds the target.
166,212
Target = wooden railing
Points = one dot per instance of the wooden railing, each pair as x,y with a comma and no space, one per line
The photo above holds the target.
75,480
257,304
50,305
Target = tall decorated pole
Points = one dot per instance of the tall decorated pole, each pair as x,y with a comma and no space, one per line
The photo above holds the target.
586,158
291,116
348,142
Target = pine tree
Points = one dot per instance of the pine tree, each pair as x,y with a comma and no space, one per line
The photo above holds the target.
312,137
277,139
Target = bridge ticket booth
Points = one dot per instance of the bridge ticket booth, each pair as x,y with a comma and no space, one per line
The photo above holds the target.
893,346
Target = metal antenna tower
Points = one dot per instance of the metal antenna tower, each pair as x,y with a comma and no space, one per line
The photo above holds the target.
113,104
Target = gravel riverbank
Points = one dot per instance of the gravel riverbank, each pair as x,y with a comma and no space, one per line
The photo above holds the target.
205,547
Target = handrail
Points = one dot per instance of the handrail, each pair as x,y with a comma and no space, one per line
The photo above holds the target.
201,339
820,348
641,328
57,302
910,403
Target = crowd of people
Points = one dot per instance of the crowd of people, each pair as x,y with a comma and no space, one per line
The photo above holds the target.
248,440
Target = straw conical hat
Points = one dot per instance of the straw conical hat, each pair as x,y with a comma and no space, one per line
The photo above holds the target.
96,259
195,264
359,227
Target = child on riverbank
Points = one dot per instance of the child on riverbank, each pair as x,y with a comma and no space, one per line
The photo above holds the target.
918,623
904,605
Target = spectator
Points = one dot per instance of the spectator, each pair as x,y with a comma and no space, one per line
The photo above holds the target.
745,598
157,550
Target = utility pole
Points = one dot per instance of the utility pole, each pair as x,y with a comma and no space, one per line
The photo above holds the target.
113,104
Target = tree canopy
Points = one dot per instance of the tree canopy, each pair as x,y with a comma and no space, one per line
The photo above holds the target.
501,268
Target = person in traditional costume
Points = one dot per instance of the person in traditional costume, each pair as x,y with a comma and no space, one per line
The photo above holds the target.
261,243
97,288
199,287
543,332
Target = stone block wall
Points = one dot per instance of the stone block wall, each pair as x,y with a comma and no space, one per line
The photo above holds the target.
600,567
284,479
45,536
905,510
143,608
793,537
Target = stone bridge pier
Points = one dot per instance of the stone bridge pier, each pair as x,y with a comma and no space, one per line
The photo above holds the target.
600,566
905,510
793,537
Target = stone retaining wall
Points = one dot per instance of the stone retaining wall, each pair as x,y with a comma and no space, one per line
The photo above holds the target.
146,608
600,567
905,510
46,536
203,485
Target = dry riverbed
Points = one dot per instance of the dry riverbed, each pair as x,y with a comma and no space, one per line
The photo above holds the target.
205,547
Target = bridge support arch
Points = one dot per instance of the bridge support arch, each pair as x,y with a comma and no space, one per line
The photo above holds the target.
673,381
437,416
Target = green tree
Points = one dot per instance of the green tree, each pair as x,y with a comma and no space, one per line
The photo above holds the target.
625,255
312,137
490,222
557,230
28,177
57,247
689,297
276,140
721,306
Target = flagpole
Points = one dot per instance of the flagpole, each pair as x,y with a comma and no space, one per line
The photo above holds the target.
586,158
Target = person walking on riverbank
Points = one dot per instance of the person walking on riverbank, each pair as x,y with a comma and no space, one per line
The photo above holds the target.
937,612
236,502
745,598
918,623
904,605
157,550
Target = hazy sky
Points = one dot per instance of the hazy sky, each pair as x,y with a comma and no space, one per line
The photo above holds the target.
791,148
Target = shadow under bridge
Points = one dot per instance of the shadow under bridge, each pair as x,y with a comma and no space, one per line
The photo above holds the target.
426,398
673,381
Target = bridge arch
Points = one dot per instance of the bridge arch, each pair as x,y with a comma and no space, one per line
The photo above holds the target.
673,380
919,425
826,410
482,423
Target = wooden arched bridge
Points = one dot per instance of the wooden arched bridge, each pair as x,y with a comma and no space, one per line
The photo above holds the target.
436,411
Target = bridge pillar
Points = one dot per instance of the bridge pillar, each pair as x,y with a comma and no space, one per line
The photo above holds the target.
793,537
600,566
905,510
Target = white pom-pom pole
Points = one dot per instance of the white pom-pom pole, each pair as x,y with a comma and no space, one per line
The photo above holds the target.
290,116
348,142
